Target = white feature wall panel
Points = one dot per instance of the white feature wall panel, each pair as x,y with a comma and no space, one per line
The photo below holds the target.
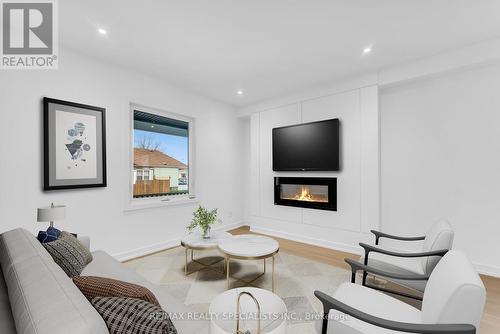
345,107
357,180
254,174
370,159
270,119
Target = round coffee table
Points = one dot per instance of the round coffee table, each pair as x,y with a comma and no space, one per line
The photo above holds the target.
224,314
249,247
196,242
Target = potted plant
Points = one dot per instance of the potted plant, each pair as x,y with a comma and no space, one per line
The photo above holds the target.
203,219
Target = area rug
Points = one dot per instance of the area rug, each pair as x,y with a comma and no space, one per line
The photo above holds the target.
296,279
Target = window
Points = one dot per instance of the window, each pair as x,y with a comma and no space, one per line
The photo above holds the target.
160,154
143,174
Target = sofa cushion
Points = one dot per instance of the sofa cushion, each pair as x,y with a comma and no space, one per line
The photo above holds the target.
133,316
106,266
40,292
7,325
181,314
93,286
69,253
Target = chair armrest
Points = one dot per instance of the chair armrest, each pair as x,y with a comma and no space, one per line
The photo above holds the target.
85,241
371,248
379,235
330,303
356,266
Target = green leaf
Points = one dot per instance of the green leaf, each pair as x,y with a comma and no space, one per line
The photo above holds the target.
203,219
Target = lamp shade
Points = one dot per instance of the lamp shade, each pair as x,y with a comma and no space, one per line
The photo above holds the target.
51,213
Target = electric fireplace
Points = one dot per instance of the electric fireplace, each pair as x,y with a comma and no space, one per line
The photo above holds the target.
306,192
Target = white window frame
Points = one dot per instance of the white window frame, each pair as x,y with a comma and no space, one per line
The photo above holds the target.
167,200
144,174
139,172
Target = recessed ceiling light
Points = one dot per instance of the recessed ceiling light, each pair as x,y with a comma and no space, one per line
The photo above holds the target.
102,31
152,126
239,92
367,50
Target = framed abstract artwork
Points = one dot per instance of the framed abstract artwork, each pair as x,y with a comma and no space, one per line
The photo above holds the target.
74,141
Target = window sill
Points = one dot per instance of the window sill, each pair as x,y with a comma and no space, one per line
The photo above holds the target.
150,203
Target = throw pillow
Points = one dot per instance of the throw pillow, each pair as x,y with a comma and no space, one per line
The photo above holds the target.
51,234
133,316
92,286
54,230
69,253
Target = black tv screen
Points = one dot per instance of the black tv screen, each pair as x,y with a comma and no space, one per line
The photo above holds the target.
307,147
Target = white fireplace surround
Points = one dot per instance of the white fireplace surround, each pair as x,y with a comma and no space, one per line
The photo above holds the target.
357,181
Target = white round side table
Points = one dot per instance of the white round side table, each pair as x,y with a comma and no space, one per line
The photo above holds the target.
196,242
249,247
254,304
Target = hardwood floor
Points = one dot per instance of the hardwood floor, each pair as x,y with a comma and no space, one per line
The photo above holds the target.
491,319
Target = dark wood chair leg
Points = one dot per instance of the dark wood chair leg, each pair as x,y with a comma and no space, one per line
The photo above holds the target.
324,328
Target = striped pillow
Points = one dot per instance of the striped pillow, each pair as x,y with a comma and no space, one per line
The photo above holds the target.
69,253
133,316
92,286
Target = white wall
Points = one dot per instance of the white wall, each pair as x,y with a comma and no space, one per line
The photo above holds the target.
100,212
357,182
441,158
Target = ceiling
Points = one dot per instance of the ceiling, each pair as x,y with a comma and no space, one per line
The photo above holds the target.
269,48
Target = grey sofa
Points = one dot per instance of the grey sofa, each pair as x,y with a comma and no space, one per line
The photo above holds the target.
36,296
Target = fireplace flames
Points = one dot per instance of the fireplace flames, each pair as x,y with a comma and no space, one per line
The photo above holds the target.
306,196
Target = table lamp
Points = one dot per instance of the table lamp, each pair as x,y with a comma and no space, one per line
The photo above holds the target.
51,213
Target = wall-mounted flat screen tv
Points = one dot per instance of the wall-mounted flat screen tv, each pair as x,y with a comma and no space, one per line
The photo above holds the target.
307,147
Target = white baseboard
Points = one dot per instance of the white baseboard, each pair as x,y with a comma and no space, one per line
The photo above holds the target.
307,240
488,270
138,252
228,227
174,242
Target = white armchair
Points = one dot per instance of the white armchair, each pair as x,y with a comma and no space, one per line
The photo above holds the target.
437,241
453,302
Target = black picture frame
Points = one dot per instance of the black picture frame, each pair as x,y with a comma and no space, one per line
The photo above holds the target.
55,149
